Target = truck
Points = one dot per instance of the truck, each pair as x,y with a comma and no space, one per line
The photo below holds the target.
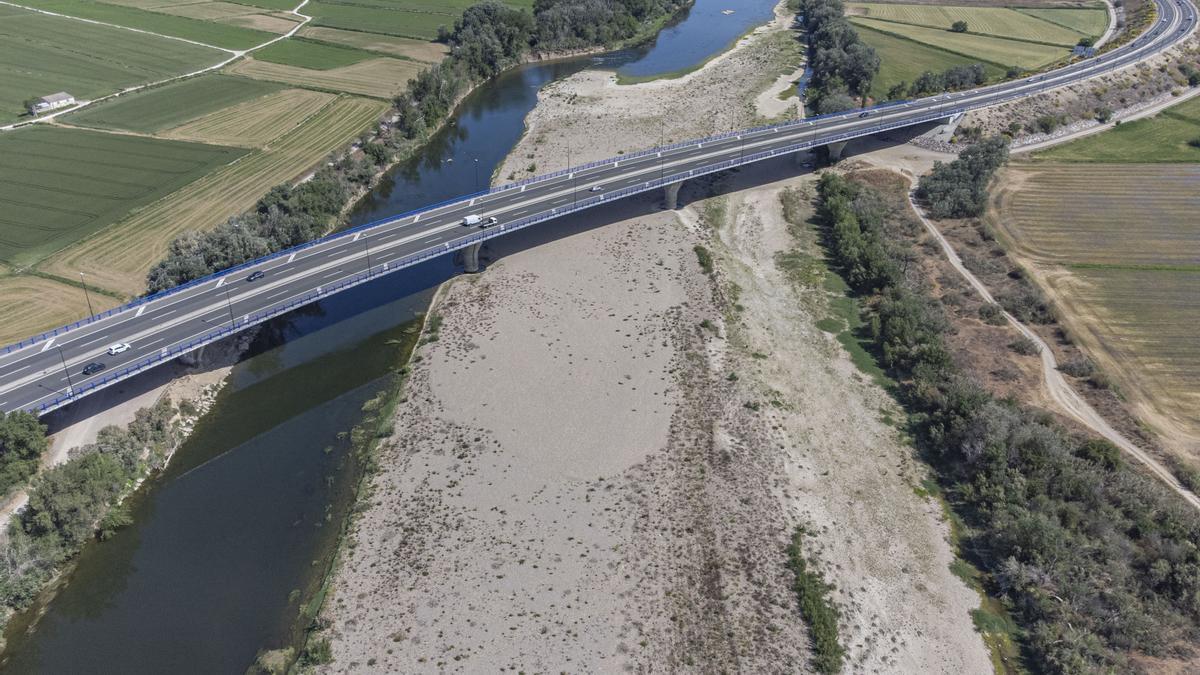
475,219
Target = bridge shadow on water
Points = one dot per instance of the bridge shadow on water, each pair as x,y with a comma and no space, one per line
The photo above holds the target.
354,314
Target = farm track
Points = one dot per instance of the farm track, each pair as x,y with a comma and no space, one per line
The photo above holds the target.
1059,390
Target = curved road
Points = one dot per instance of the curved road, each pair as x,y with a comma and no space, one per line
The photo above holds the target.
46,372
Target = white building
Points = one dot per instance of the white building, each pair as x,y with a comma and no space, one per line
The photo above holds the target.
52,102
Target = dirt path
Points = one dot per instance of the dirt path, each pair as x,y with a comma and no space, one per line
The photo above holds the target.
234,55
1057,387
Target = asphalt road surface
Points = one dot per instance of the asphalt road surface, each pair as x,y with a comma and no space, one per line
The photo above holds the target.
48,372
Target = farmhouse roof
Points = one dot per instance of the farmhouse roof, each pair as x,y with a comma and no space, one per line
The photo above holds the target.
57,98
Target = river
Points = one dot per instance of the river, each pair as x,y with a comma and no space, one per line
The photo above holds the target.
238,531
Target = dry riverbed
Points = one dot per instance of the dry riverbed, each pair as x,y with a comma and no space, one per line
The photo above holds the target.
604,449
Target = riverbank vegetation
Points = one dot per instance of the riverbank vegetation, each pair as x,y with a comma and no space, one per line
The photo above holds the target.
78,500
842,65
819,612
1096,561
22,444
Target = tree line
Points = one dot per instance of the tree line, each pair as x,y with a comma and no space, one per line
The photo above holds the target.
1092,558
842,66
486,39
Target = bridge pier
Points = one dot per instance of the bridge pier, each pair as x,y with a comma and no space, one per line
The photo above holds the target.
672,195
471,258
835,150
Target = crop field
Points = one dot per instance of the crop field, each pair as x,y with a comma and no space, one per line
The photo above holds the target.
206,11
60,54
418,25
207,32
58,185
254,123
903,60
999,51
272,23
382,77
118,257
273,4
1121,254
1164,138
997,21
313,55
56,304
1086,21
173,104
417,50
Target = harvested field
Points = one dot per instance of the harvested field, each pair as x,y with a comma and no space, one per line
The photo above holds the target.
174,104
57,304
902,60
999,51
417,50
254,123
272,23
58,185
1086,21
1166,137
207,32
311,54
417,25
206,11
282,5
119,257
997,21
1117,248
382,77
87,60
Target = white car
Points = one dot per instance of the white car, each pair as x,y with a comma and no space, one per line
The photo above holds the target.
117,348
596,188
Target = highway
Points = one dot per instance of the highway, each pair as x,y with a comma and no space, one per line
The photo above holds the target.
45,372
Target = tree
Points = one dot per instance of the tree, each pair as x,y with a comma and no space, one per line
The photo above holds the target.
835,102
22,443
959,26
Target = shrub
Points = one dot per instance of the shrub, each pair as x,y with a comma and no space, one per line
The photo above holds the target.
1024,346
704,257
1080,367
959,26
991,314
1100,451
1104,114
959,189
818,611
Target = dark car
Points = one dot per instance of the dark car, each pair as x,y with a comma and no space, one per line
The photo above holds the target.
864,114
93,368
256,276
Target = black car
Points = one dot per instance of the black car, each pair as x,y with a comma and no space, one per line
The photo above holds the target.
256,276
93,368
865,114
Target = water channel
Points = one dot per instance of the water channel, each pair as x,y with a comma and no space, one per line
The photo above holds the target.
228,541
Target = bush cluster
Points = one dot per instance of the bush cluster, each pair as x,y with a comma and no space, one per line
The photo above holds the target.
959,189
817,609
1094,559
842,65
22,443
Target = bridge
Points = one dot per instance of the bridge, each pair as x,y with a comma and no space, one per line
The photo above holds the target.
46,371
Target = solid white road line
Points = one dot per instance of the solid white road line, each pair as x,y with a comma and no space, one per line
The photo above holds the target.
49,343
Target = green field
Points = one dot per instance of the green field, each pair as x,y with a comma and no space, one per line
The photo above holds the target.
312,54
903,60
86,60
995,21
171,105
999,51
1166,137
207,32
1087,21
269,4
420,25
58,185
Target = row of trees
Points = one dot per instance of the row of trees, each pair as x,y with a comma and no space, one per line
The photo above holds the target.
74,502
959,189
22,443
487,38
951,79
1093,559
842,66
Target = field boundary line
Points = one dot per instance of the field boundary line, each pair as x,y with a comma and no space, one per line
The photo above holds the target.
234,55
994,36
1055,385
898,36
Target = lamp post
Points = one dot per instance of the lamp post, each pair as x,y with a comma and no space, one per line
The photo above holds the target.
367,248
662,140
477,174
229,306
70,385
86,296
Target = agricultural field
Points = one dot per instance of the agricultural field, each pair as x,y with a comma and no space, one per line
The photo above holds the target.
903,60
416,50
59,185
118,257
310,54
1091,22
996,50
1117,248
417,19
254,123
87,60
57,304
206,32
1167,137
173,104
995,21
380,77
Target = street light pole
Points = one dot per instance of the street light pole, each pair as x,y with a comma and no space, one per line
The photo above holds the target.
662,140
70,385
229,305
477,174
86,296
367,247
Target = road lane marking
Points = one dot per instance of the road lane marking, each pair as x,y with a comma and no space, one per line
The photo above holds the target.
291,257
356,236
139,312
48,344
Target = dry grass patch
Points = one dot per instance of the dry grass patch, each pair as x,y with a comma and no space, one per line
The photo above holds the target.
417,50
382,77
207,11
255,123
118,257
272,23
30,305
